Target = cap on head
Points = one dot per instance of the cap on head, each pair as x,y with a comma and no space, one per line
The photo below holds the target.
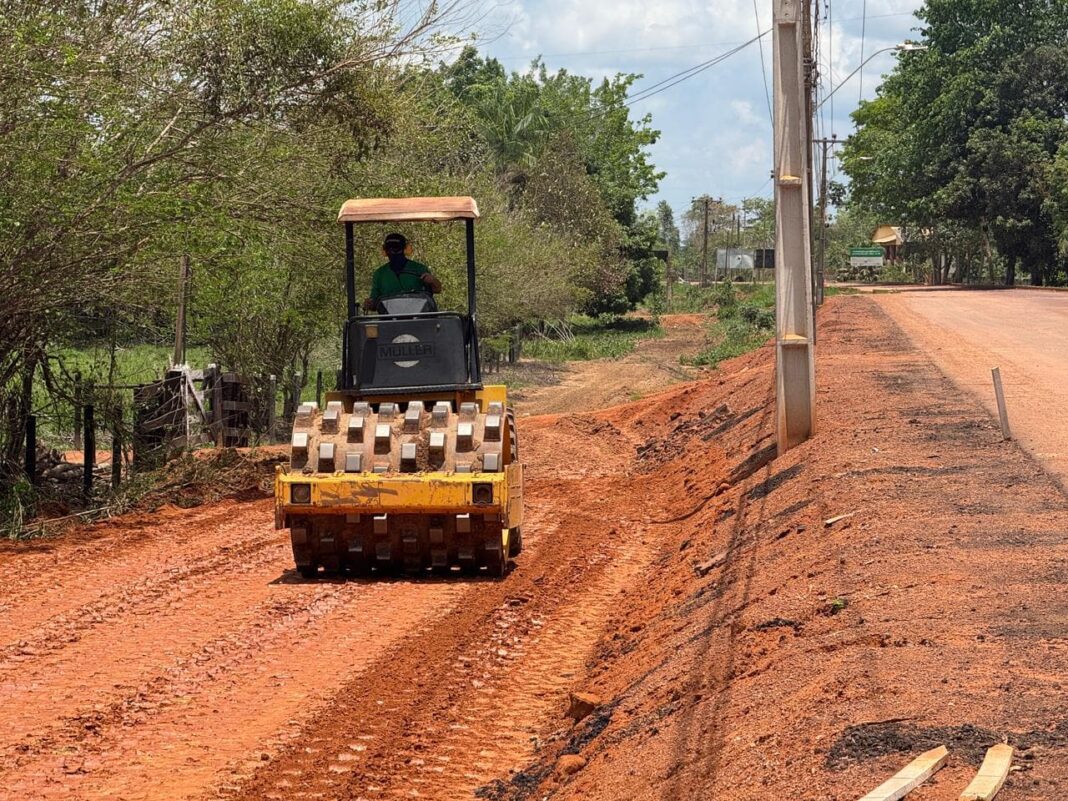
395,242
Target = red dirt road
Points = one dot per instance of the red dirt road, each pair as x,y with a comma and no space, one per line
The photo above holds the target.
176,656
744,650
1024,332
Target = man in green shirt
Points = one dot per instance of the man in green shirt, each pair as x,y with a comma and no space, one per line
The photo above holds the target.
400,275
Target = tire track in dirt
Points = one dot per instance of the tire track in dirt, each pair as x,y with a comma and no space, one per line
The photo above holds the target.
462,703
519,682
175,731
47,581
182,658
157,666
147,593
124,637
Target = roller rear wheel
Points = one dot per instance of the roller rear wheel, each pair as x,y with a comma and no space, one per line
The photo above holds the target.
497,557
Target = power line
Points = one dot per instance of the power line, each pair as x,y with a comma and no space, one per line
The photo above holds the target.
684,75
879,16
830,52
863,31
617,52
695,46
763,68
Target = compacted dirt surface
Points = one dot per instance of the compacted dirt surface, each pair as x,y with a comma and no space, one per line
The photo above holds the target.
731,643
1022,331
651,366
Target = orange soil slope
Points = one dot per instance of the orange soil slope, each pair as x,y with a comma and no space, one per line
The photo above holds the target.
768,655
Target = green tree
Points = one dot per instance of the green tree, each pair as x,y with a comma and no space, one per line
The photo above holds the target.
666,228
963,135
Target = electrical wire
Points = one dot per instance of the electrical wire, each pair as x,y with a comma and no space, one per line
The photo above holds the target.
616,52
763,66
863,32
830,52
685,75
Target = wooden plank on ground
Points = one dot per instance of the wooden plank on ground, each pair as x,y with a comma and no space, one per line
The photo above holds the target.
991,776
910,777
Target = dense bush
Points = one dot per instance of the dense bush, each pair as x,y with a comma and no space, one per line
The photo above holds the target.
232,130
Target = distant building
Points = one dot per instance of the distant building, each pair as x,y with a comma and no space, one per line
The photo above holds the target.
891,239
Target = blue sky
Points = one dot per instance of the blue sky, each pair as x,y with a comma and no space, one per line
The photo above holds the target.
716,128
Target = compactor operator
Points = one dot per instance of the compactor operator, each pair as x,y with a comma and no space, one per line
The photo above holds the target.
399,275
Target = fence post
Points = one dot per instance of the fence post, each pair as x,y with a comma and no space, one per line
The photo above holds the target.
77,409
272,391
116,457
319,388
31,448
89,451
296,393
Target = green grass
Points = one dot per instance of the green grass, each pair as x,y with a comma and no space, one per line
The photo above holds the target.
831,291
691,298
745,318
584,338
134,364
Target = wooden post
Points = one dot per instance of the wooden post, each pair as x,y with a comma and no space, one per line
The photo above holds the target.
669,276
218,413
116,457
704,247
272,391
89,452
31,448
77,409
179,327
319,388
999,394
795,368
296,392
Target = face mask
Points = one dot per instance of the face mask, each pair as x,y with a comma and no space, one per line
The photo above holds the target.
397,260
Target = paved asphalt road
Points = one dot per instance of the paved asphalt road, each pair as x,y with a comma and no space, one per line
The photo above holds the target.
1024,332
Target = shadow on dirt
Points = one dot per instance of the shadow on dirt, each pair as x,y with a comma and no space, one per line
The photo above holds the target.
872,740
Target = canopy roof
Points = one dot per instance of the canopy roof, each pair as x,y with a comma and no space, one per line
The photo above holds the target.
888,235
408,209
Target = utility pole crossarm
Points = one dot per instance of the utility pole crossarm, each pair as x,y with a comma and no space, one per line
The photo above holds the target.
795,368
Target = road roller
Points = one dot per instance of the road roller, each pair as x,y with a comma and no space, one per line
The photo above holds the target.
412,464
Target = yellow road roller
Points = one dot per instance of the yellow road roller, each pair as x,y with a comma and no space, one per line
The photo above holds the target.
412,465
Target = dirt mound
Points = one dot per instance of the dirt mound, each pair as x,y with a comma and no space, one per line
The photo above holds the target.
813,620
205,476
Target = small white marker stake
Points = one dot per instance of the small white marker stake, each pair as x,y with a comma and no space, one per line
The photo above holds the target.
999,393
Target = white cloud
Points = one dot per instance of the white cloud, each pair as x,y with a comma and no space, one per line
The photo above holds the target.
743,113
716,135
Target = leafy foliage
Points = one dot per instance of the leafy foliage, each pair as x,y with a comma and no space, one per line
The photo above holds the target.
744,320
962,142
231,131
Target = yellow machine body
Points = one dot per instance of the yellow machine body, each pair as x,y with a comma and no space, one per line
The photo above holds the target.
461,509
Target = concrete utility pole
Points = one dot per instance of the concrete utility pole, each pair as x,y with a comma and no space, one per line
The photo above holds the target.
795,362
821,257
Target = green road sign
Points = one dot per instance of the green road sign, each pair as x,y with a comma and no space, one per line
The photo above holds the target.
869,252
